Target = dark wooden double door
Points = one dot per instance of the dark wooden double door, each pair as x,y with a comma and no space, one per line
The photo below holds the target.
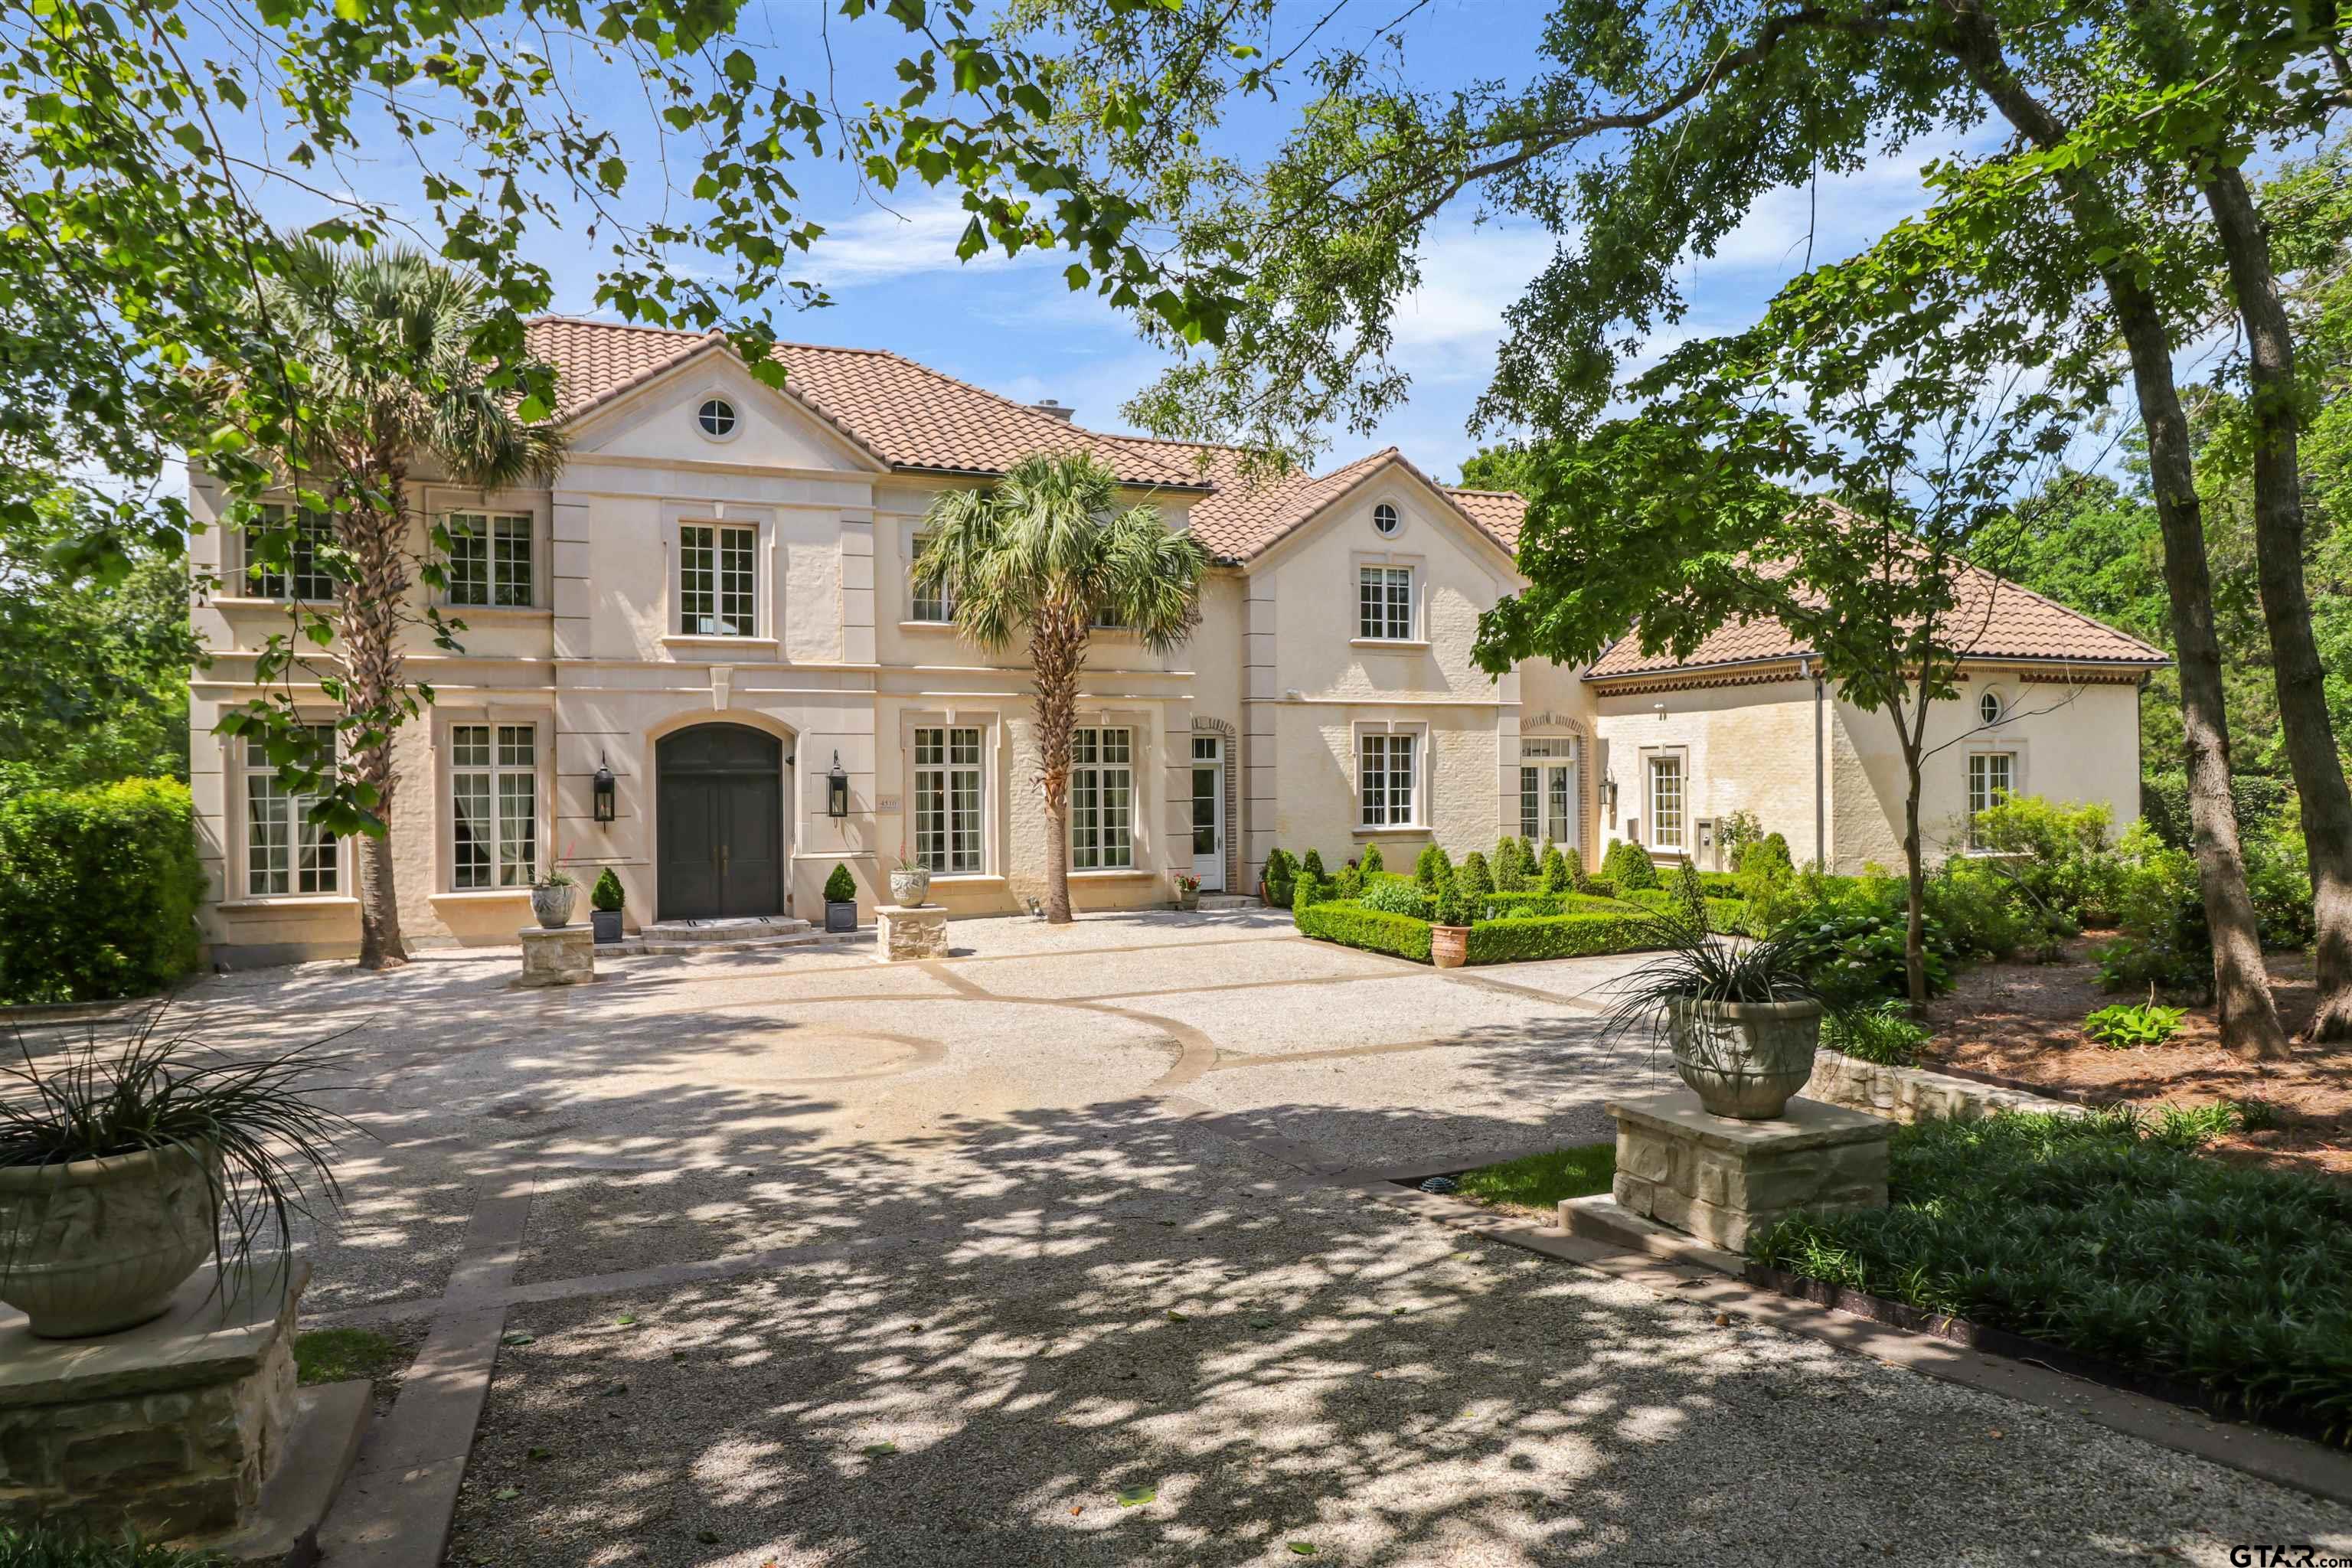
721,828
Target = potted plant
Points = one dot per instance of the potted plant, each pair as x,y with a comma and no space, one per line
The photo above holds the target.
1188,891
1742,1021
552,898
604,900
117,1164
841,900
1449,931
910,882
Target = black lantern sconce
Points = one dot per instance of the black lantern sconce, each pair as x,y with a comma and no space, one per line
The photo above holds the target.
836,790
605,792
1609,788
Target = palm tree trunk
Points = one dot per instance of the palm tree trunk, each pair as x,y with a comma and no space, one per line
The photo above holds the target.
2248,1015
2286,602
371,598
1057,650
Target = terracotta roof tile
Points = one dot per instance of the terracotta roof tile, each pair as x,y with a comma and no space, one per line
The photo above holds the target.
907,415
2002,621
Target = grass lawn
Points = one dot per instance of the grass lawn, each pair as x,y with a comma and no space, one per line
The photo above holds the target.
1537,1183
42,1546
338,1355
2110,1235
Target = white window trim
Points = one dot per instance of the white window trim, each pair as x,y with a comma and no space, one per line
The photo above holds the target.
542,752
1680,756
1417,613
1422,775
2015,752
237,868
990,722
767,576
1133,767
724,394
241,576
441,503
1144,766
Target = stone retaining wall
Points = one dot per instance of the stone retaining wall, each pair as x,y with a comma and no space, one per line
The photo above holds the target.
1914,1094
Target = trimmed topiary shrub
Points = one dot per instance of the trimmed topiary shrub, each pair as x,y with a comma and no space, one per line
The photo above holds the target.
1628,865
1397,896
1474,876
1433,868
1551,870
1312,866
1371,861
607,894
1281,876
1308,890
1510,874
1348,884
1376,931
99,890
841,888
1573,861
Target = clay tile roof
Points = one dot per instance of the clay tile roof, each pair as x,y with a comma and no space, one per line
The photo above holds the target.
903,414
2002,620
907,415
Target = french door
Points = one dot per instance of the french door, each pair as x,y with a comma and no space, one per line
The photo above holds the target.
1209,811
1548,804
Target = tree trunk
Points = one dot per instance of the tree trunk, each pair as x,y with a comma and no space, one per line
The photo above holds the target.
2287,603
1057,650
2249,1017
370,605
1914,924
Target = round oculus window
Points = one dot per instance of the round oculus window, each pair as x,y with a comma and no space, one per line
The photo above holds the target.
717,416
1988,707
1385,518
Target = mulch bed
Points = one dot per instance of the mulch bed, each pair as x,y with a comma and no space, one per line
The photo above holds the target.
2023,1022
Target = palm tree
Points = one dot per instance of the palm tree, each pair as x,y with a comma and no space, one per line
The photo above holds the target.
1047,550
387,337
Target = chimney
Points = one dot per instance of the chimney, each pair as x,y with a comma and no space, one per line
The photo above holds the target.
1052,410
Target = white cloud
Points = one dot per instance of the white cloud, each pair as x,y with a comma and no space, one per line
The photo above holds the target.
907,238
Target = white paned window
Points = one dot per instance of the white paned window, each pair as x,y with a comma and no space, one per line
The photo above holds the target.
1384,780
490,559
307,577
1989,708
1666,803
934,604
1102,800
947,800
715,576
1531,802
493,806
1548,789
1384,602
285,852
1992,778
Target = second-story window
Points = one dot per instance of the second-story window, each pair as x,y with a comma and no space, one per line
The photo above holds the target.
716,596
490,559
1384,602
933,604
303,576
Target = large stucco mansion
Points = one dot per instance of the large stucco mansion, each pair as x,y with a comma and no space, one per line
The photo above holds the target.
712,607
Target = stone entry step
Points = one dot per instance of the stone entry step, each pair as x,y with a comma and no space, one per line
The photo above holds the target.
1214,902
741,930
679,938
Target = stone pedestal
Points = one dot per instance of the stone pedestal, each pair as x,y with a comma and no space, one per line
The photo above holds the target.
1719,1180
565,956
169,1429
901,932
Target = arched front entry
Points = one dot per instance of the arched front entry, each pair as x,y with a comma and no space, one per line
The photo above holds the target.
720,844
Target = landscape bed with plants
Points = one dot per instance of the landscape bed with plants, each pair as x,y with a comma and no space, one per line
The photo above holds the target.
2112,1238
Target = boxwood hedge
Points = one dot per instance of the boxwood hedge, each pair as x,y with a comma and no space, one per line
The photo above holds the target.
1374,930
1575,935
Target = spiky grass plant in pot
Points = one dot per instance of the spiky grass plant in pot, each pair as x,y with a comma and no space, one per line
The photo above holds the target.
1741,1020
124,1164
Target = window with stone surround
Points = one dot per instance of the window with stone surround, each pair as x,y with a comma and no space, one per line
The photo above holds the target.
1992,778
493,806
1102,799
301,577
1666,803
490,559
1385,780
286,854
716,592
947,776
1384,603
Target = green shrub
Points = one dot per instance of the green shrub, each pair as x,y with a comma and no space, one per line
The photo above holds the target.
607,894
1398,896
1281,875
2069,860
46,1546
1984,916
2164,941
1628,865
1376,931
841,888
1572,861
1855,930
2163,805
1597,887
1452,907
1308,891
1371,861
99,889
1510,873
1551,870
1349,883
1574,935
1738,831
2104,1235
1473,876
1433,868
1686,887
2278,880
2131,1025
1313,865
1729,916
1886,1033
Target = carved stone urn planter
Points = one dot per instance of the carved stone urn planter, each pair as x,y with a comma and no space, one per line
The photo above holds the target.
94,1246
551,902
1449,946
910,885
1744,1060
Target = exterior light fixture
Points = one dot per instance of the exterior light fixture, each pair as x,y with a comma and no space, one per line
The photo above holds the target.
1609,788
605,790
836,789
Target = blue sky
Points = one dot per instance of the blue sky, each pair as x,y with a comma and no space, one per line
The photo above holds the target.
1014,326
